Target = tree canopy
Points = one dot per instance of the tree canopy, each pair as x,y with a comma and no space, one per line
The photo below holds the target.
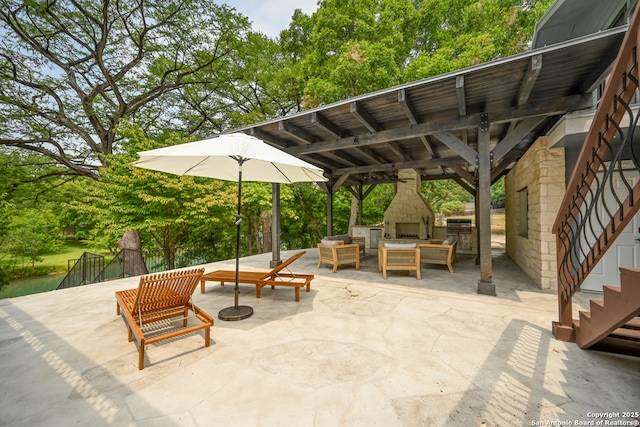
85,84
71,72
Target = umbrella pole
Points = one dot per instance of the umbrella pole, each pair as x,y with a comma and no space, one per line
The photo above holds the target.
237,312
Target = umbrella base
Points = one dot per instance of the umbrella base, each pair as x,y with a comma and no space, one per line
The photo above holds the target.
235,313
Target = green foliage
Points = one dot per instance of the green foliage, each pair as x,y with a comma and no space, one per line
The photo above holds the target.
165,208
460,33
4,278
376,203
31,234
71,72
437,193
452,206
497,194
192,67
303,222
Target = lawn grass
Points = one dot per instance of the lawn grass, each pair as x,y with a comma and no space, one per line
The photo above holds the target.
45,275
51,263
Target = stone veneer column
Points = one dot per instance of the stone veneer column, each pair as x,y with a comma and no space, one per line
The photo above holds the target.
542,172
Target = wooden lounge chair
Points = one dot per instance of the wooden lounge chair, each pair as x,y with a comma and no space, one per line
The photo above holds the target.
160,297
261,279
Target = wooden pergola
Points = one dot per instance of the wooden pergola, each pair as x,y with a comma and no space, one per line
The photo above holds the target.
471,125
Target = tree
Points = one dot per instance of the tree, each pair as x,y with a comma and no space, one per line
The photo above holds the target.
438,193
167,209
455,34
71,72
497,194
31,234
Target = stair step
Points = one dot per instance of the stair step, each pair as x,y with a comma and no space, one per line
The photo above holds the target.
614,292
633,324
627,334
618,346
615,317
596,304
585,315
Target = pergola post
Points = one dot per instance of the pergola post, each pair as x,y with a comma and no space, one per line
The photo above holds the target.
485,285
329,210
275,225
360,200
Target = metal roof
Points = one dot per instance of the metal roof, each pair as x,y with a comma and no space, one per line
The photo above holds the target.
432,125
568,19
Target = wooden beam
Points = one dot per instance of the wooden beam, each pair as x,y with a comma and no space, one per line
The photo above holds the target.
320,121
336,186
465,185
428,145
269,139
353,192
459,147
485,285
368,190
529,80
463,173
514,137
462,100
395,148
390,167
527,84
407,107
295,132
543,109
371,156
364,117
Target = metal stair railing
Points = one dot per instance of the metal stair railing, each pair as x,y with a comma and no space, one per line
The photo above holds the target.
588,222
83,271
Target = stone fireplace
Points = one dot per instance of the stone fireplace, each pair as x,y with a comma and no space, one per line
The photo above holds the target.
409,216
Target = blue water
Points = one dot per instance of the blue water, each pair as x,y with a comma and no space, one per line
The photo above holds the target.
32,285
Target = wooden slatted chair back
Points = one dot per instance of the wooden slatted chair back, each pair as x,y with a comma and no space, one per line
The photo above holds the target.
274,273
166,290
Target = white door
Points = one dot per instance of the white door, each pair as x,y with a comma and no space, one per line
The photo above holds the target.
625,251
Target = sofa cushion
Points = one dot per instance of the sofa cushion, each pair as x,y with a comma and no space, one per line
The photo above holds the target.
344,237
449,240
400,245
329,242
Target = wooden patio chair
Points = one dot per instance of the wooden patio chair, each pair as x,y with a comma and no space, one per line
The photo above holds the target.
439,253
398,257
336,253
159,298
261,279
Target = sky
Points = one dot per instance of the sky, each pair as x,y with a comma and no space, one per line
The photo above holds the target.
271,16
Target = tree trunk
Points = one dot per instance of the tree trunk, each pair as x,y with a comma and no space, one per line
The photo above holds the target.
354,214
267,222
132,260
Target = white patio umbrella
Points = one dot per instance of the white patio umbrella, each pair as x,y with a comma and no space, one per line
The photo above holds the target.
224,157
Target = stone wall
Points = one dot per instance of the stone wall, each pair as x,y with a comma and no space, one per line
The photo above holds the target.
541,172
408,206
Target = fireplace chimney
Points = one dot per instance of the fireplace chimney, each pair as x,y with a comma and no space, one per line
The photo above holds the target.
409,215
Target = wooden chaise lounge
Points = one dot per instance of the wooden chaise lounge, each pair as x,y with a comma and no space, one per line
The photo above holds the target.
261,279
160,297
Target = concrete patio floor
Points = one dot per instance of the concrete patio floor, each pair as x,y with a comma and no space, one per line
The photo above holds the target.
357,350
